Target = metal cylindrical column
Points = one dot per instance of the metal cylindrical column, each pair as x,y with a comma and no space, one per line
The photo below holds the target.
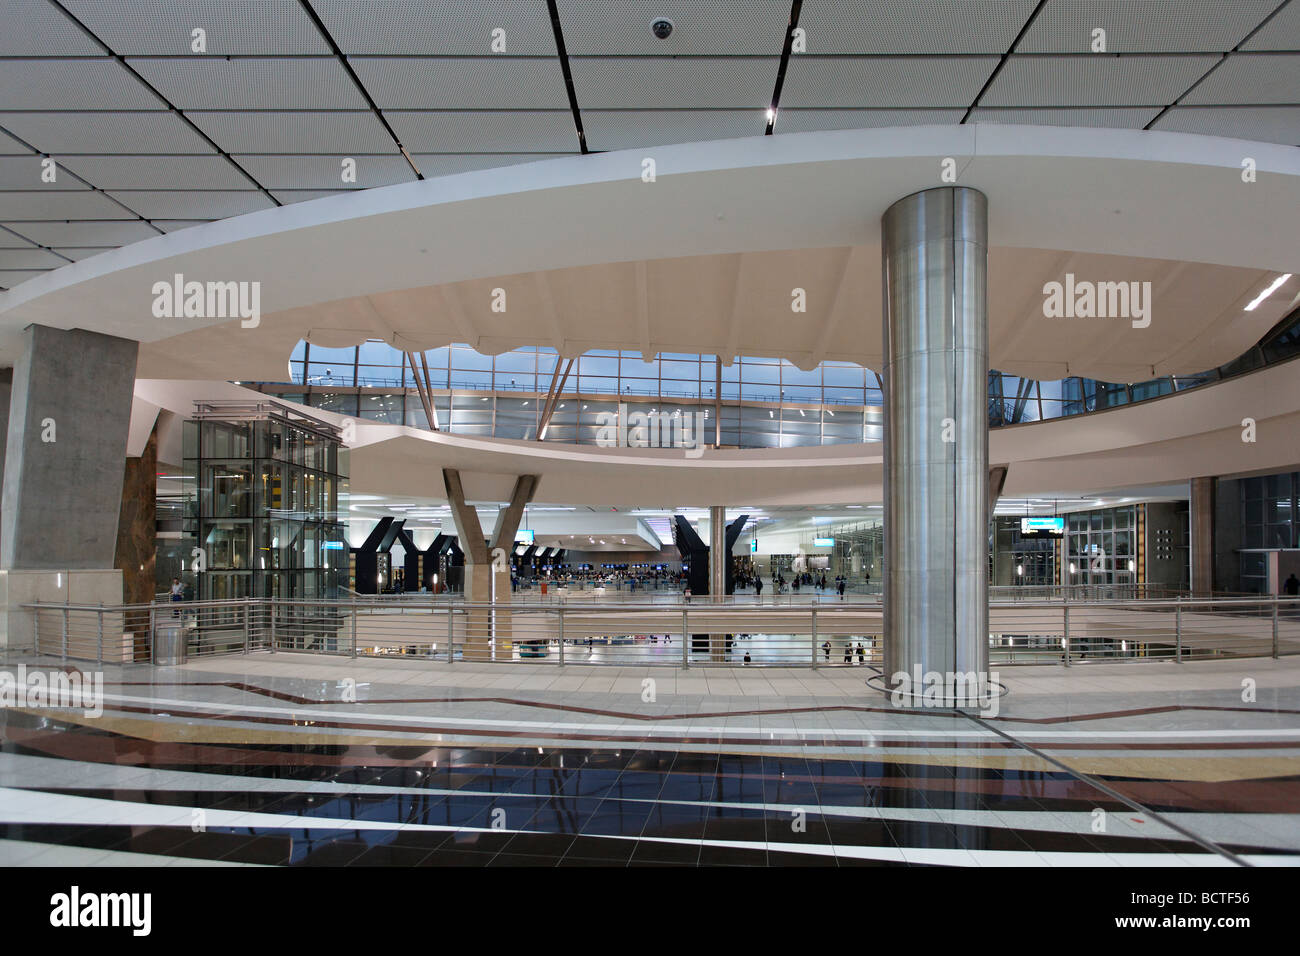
718,554
935,255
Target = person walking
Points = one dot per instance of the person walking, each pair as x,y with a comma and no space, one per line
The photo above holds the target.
848,652
826,649
841,589
1291,587
758,589
862,653
177,595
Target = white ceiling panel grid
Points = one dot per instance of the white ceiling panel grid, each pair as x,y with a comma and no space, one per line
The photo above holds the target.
1281,32
913,26
39,205
11,147
11,240
56,133
10,278
192,203
485,132
287,196
1244,78
704,28
1265,124
277,132
232,27
898,82
1144,26
24,172
472,83
76,253
437,27
30,259
613,83
797,120
630,129
1095,80
39,28
302,83
1110,117
176,225
448,164
85,234
325,172
98,84
158,172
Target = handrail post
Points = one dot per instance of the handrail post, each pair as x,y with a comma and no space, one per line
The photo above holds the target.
248,625
65,631
451,633
153,627
270,609
100,658
814,637
354,628
560,612
1178,629
686,640
1065,612
1275,603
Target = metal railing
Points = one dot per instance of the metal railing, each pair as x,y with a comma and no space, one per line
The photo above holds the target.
825,633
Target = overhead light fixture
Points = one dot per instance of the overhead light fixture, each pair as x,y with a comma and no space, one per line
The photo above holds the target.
1277,283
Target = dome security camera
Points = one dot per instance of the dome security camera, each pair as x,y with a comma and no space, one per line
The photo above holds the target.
662,27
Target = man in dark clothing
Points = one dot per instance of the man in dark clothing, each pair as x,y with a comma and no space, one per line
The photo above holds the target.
841,589
1291,586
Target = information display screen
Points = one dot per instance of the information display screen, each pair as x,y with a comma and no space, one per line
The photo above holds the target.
1042,527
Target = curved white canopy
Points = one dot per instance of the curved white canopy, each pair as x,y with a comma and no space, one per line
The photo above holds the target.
705,258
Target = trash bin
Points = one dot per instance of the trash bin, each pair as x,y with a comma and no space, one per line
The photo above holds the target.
169,645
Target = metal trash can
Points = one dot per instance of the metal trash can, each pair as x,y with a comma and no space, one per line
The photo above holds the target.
169,645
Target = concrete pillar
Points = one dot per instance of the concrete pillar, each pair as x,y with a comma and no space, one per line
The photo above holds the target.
487,630
137,537
69,415
935,252
717,574
1201,535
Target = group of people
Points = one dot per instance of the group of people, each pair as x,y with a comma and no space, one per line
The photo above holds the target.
849,650
805,579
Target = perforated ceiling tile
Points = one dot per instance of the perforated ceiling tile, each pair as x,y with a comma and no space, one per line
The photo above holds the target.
42,206
11,240
76,254
512,132
628,129
703,28
39,28
441,83
288,196
1144,26
176,225
85,234
291,132
158,172
11,147
1272,79
9,280
102,84
25,172
193,204
232,27
899,82
1118,118
686,83
432,165
1266,124
804,121
1282,32
325,172
1095,81
913,26
105,132
221,84
30,259
437,27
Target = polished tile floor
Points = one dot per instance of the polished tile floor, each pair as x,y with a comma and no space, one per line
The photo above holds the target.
294,760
